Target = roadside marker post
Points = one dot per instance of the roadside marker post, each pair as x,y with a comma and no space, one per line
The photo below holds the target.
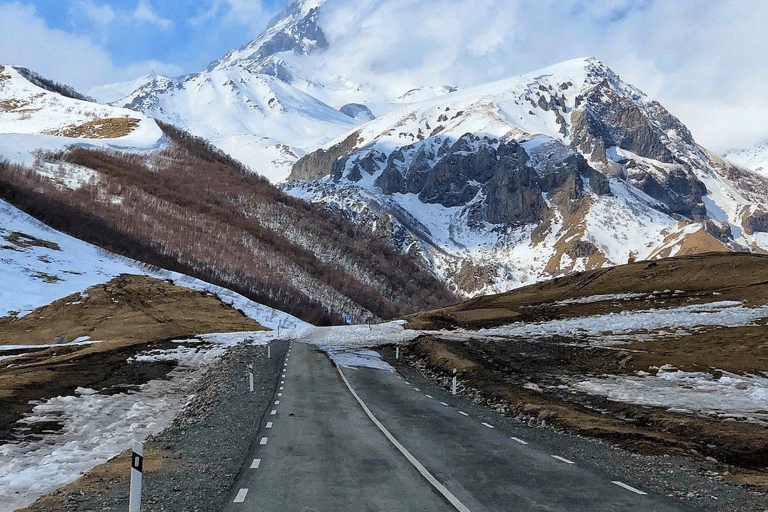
269,347
397,352
137,468
453,386
250,378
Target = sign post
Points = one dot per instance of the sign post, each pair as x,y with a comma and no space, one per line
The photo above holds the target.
137,468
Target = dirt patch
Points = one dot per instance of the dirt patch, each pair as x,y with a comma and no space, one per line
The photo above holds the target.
128,315
109,128
530,378
23,240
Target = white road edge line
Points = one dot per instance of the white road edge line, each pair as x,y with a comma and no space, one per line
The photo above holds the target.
629,487
488,425
563,459
445,404
463,413
241,496
429,396
421,469
518,440
255,464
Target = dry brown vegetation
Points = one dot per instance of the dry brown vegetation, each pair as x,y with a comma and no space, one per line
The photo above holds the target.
192,209
524,377
130,314
107,128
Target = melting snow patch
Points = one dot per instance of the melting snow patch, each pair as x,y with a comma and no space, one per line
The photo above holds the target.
730,396
96,427
615,328
361,358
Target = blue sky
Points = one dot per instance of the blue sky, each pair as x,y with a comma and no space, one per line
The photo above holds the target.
705,60
66,39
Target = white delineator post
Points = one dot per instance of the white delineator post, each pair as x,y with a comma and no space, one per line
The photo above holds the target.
269,348
137,468
397,352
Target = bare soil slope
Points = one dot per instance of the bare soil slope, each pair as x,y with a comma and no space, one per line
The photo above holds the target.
128,315
525,377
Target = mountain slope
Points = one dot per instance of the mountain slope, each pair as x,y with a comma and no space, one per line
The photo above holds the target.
563,169
193,209
40,116
755,159
258,119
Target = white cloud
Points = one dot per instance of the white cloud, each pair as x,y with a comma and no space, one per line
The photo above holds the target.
75,60
146,13
98,14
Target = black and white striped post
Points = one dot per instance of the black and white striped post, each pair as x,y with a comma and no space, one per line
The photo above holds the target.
137,468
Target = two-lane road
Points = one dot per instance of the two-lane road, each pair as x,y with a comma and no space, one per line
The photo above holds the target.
363,439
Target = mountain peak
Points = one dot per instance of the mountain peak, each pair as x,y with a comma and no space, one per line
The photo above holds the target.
294,30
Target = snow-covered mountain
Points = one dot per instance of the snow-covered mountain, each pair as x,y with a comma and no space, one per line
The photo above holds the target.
259,119
37,114
563,169
755,158
245,103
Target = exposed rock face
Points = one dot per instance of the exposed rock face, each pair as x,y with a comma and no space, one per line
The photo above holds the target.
357,111
319,164
680,190
498,178
603,118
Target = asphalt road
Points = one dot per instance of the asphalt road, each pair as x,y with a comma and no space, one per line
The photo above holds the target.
358,439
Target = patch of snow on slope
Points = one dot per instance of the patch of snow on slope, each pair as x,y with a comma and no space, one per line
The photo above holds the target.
729,396
96,427
616,328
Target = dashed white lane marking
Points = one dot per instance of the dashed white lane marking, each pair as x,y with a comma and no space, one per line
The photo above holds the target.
518,440
407,383
628,487
263,440
417,389
274,411
488,425
241,495
445,404
269,424
255,464
563,459
463,413
429,396
277,402
282,388
453,500
280,394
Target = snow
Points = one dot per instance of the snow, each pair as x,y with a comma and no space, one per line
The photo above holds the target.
260,120
96,426
728,396
36,113
616,328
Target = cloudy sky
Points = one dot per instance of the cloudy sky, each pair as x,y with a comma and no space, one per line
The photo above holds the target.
705,60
